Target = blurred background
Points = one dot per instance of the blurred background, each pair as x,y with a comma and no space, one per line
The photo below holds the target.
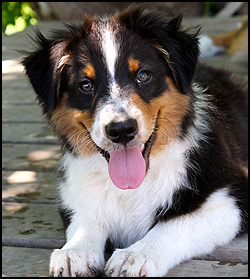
16,16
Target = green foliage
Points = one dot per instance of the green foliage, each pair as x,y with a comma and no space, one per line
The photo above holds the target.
16,16
211,8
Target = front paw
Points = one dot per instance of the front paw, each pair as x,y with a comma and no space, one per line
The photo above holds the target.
131,263
75,263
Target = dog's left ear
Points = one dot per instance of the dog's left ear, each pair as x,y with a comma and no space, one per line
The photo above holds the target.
179,48
181,51
42,68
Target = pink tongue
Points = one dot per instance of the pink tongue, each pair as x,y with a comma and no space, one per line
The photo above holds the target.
127,168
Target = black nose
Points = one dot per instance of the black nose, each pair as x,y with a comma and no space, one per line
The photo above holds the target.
122,132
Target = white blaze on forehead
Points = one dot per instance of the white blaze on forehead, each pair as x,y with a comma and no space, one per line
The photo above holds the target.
110,50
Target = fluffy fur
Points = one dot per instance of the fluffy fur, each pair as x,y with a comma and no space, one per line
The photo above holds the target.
191,128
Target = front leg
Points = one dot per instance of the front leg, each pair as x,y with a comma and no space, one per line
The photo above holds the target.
170,243
83,254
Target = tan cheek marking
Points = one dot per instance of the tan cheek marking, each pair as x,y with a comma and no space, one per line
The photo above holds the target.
75,125
133,64
89,71
172,107
148,116
169,110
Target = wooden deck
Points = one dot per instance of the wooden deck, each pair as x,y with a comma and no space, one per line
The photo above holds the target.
31,226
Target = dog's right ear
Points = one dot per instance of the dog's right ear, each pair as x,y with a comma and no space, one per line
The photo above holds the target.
42,68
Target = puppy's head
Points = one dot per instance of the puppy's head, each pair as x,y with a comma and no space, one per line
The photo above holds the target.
118,86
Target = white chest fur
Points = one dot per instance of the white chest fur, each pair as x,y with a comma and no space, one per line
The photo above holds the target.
126,214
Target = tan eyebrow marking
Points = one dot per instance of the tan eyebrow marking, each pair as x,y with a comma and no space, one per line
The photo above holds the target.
133,64
89,71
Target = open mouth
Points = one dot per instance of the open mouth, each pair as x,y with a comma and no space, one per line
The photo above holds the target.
128,167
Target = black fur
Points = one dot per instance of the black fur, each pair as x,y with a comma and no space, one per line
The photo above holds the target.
218,164
41,71
182,47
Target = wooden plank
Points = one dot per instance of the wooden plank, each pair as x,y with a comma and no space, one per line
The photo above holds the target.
33,242
27,220
22,112
235,251
12,94
30,262
25,262
26,156
196,268
29,186
17,83
212,25
232,252
219,62
27,132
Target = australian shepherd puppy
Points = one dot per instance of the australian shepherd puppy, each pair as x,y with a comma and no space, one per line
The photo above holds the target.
154,155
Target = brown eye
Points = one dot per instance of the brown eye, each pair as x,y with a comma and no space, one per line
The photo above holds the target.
143,76
86,86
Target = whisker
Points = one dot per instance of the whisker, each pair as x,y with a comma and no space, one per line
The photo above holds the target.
173,127
77,140
84,144
71,138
